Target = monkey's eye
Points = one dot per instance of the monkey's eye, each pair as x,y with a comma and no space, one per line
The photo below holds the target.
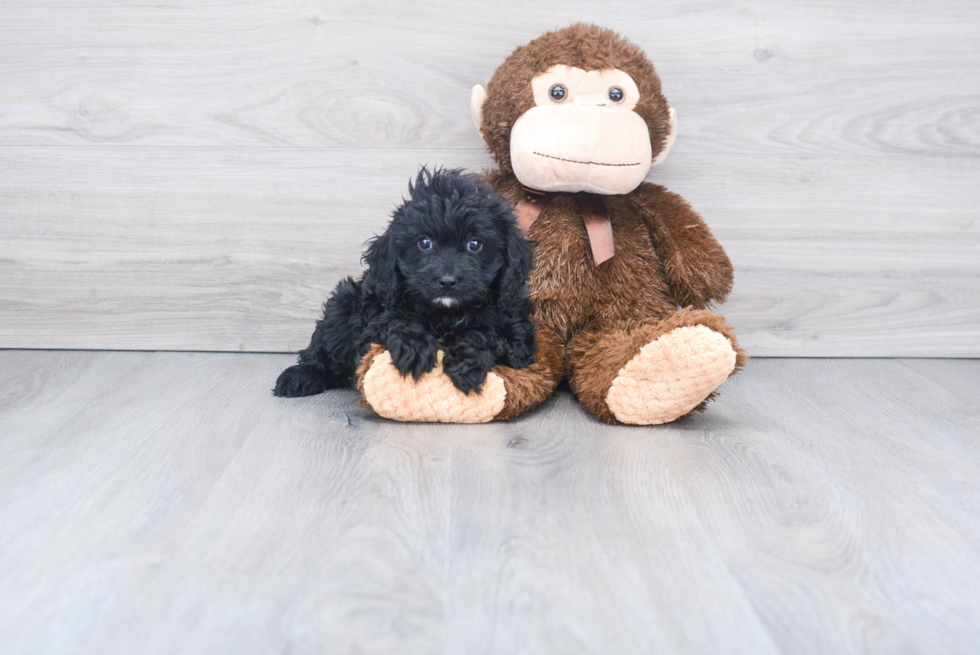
557,92
474,246
616,94
425,243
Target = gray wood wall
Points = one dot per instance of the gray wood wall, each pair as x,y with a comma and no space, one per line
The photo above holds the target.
197,175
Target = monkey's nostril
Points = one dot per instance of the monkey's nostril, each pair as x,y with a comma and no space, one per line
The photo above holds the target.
447,281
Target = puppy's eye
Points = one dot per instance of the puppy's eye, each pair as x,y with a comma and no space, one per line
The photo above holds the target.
474,245
616,94
425,243
557,92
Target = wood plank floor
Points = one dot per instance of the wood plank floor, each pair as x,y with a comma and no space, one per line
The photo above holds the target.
167,503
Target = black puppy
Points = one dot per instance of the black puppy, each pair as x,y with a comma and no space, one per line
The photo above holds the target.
449,271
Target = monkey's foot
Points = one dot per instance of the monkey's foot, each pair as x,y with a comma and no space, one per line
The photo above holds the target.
431,399
671,376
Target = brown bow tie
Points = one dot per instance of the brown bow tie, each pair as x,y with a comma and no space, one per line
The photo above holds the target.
594,215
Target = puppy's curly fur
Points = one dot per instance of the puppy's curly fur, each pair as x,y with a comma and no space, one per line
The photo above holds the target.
450,271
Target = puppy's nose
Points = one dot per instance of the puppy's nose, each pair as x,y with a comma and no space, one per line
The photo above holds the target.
447,281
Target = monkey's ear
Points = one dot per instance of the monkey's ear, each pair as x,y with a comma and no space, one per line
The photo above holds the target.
477,98
382,274
669,141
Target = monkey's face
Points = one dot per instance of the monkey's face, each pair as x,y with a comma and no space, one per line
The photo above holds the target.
582,133
565,113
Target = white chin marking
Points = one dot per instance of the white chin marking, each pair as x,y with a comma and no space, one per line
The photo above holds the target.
446,302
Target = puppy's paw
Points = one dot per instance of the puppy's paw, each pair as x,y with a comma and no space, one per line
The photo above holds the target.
467,369
520,354
412,352
300,380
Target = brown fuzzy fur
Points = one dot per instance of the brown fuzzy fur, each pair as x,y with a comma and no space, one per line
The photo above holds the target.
362,368
592,320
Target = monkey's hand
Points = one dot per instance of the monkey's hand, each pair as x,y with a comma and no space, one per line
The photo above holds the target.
695,265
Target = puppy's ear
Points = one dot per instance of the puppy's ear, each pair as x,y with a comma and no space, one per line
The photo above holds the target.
382,275
519,259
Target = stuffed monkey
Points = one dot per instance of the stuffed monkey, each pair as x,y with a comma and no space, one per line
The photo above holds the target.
624,269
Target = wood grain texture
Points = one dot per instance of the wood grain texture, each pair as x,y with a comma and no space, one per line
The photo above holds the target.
828,77
162,502
167,248
197,176
136,486
957,375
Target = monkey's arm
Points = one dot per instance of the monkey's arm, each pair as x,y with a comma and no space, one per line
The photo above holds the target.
696,267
